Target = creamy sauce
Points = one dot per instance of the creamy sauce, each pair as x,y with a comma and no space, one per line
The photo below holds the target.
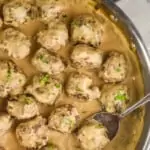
131,127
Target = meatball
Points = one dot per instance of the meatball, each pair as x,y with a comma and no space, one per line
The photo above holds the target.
5,123
85,56
33,133
115,68
93,136
54,37
51,9
46,62
64,119
17,13
80,86
22,107
12,79
50,147
86,29
45,89
15,43
115,98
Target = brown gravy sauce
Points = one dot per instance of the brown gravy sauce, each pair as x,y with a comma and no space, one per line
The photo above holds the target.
131,127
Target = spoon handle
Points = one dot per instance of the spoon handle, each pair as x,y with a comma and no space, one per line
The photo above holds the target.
140,103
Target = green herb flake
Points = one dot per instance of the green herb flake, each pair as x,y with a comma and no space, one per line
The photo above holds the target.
57,85
99,126
9,74
44,79
43,59
68,121
51,147
92,3
121,96
27,100
78,89
118,69
77,22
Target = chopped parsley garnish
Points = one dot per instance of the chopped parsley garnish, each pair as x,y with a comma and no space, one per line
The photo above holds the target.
78,89
27,100
57,85
44,79
118,69
9,73
77,22
43,59
121,96
50,147
68,121
99,126
92,3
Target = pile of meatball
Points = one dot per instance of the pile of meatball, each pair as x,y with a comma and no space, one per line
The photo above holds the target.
23,98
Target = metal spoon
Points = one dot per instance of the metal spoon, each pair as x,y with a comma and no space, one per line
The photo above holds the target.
112,121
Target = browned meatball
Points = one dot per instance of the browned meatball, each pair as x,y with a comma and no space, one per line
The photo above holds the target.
81,86
23,106
115,68
54,37
64,119
33,133
93,136
46,62
17,13
45,89
12,79
115,98
86,57
15,43
51,9
86,29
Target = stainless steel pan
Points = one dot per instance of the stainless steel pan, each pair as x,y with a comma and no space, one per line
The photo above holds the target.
136,40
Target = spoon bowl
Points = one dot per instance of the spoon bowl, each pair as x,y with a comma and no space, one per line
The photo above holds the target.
112,121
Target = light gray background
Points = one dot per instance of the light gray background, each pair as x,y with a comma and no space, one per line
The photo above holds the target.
139,12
